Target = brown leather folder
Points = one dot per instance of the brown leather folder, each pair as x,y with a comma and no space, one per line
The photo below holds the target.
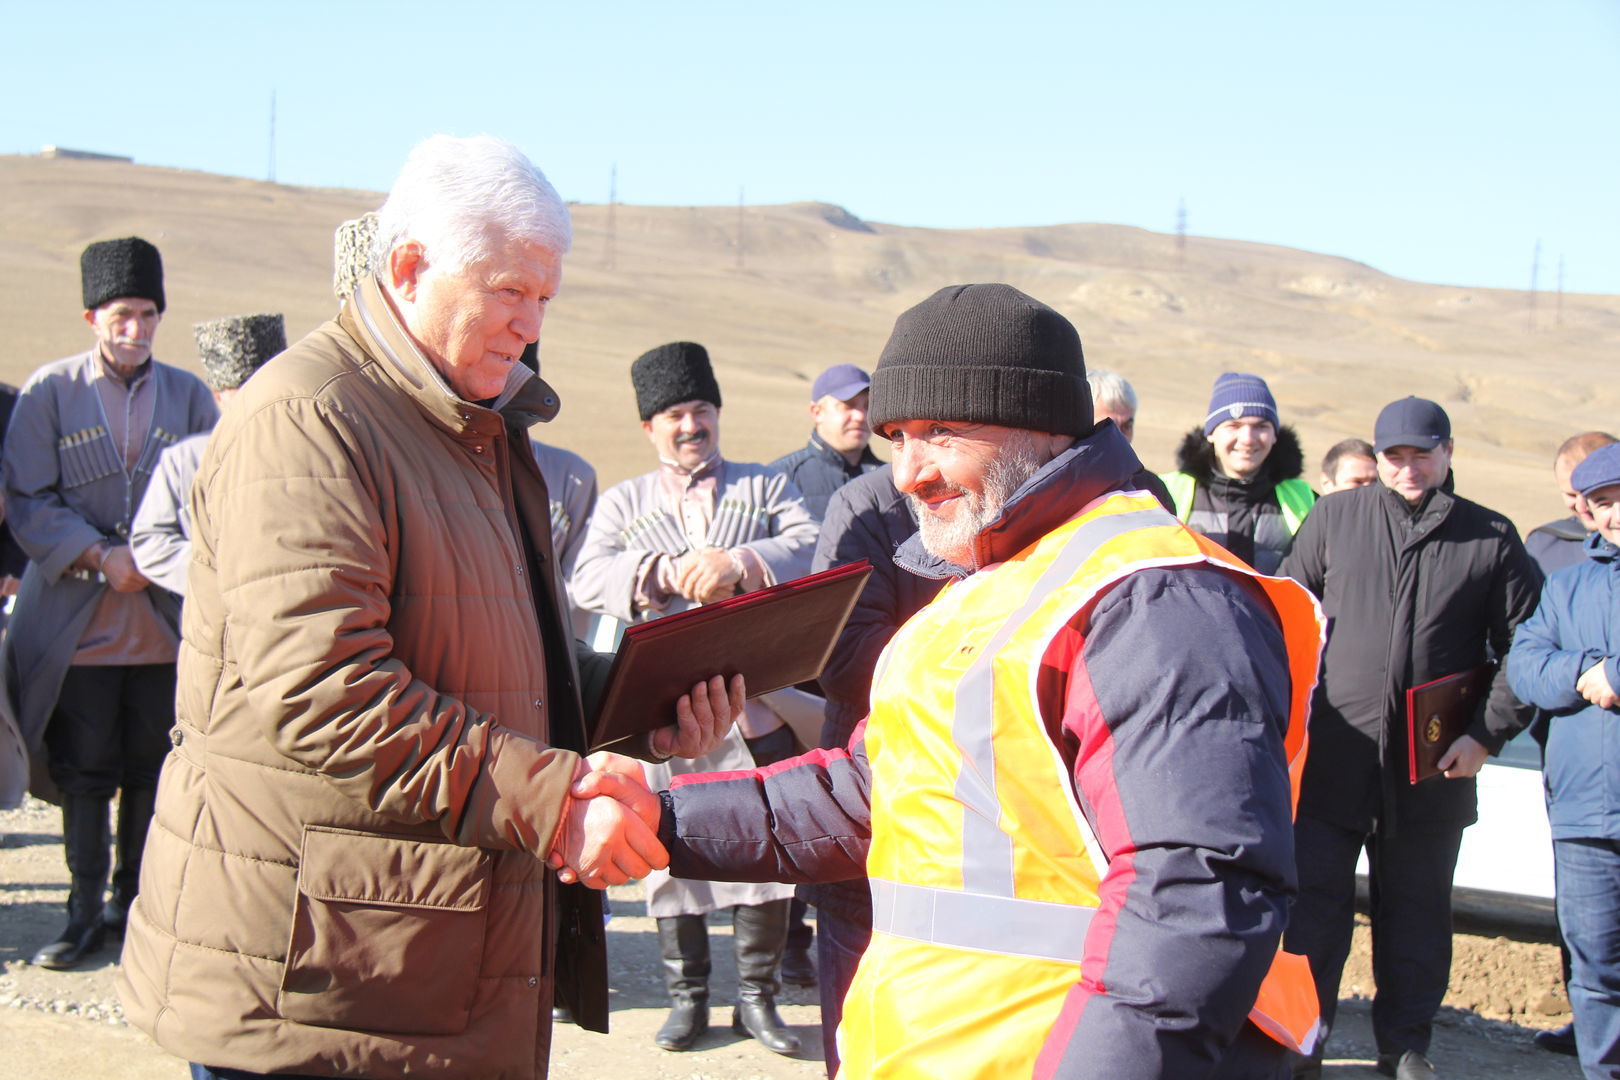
1438,712
773,637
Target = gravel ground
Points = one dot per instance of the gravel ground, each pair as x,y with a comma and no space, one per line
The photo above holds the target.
67,1025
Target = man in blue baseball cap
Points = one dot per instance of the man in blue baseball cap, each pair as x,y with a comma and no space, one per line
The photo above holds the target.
1564,661
1418,583
837,452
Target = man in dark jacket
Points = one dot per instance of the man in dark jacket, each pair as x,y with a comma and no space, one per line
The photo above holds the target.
1417,583
1562,543
1238,474
1564,660
1078,841
838,450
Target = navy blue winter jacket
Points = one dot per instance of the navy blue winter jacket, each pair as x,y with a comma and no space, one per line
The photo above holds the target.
1576,625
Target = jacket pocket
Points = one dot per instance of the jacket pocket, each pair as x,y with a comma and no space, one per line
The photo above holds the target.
387,933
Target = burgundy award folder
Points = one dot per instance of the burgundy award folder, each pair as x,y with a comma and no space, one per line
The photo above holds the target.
773,637
1437,713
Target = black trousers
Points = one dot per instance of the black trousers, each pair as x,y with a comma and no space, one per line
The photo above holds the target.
1410,884
110,728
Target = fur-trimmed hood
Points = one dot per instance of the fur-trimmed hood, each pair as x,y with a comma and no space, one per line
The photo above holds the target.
1196,456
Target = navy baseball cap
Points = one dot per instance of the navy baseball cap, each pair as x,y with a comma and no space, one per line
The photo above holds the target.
1411,421
842,381
1601,469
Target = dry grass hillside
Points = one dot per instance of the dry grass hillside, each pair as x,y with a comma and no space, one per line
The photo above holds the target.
815,286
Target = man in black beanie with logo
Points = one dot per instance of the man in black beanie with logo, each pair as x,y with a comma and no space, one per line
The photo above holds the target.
1071,794
91,653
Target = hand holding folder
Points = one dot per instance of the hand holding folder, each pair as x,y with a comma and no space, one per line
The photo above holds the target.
1438,713
773,637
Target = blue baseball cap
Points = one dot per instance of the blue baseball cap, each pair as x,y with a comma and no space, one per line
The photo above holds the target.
1601,469
842,381
1411,421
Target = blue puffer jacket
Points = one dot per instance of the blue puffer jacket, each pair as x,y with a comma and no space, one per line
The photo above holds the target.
1576,625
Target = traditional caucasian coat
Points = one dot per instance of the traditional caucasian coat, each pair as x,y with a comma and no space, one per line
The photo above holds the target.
756,507
66,488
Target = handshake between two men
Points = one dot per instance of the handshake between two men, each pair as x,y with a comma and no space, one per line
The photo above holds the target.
608,834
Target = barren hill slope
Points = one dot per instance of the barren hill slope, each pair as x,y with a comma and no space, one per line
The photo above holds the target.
813,285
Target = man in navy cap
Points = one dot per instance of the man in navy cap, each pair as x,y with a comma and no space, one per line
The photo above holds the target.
837,452
1564,661
1417,583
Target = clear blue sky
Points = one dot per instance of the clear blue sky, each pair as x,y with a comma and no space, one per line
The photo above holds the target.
1434,139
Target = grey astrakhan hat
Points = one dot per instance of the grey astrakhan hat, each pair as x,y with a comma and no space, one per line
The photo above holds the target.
233,348
351,254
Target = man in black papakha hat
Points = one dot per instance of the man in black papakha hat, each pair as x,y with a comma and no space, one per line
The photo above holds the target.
91,659
230,349
697,529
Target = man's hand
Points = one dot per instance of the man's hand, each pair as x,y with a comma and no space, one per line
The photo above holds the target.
9,585
119,568
1593,685
609,829
702,719
708,575
1464,759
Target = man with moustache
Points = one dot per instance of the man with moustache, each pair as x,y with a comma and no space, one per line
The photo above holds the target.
1072,791
91,653
1420,583
698,529
838,450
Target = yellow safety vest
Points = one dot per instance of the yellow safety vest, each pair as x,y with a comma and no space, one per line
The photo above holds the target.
984,869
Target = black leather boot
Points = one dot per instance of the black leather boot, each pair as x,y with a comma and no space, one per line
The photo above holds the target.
683,940
84,838
760,934
134,817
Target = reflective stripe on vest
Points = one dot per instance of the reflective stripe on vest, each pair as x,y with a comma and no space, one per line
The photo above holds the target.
1294,498
985,871
994,924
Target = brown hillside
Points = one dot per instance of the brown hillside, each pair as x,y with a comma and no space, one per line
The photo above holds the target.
816,286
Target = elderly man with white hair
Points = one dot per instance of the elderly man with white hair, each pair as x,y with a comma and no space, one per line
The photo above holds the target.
379,710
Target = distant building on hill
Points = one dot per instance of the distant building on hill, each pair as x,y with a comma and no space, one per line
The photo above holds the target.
82,155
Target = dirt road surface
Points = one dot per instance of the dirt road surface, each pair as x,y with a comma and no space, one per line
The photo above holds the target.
68,1025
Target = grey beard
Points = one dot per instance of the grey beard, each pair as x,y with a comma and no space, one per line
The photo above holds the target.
953,540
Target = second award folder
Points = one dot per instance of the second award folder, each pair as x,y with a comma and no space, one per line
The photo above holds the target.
774,637
1437,713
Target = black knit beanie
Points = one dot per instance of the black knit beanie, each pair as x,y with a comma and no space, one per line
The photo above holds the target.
984,354
128,267
671,374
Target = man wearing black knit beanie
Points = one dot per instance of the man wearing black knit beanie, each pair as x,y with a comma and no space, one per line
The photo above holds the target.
1072,793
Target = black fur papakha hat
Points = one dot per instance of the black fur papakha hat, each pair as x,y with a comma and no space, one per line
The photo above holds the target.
983,354
231,349
671,374
128,267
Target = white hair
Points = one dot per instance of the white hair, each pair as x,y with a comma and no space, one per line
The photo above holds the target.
1110,390
459,197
